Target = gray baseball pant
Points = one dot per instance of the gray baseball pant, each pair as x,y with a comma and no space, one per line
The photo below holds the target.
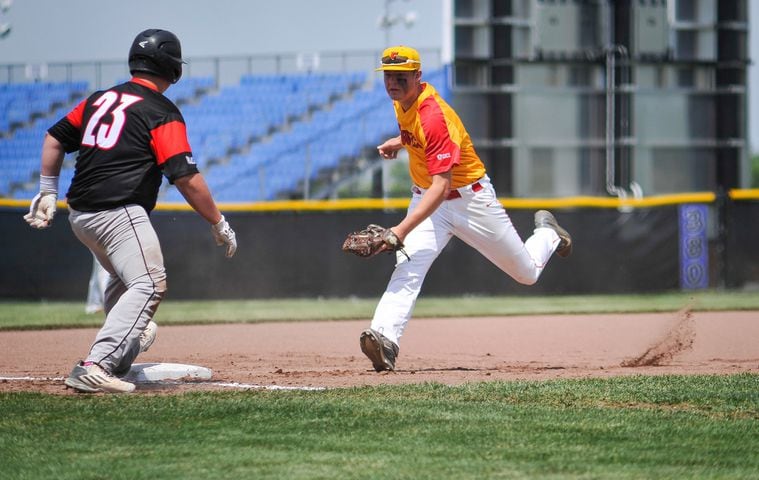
126,245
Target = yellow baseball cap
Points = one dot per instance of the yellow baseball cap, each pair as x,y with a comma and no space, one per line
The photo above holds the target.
400,58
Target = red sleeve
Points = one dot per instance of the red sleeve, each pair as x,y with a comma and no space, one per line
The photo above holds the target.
441,151
168,140
75,116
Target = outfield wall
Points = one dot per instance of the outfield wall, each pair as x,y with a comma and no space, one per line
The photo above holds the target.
292,249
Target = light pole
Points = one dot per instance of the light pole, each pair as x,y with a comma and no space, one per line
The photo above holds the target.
5,28
381,176
388,20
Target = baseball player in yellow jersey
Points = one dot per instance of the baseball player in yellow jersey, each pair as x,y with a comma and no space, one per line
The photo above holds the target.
452,195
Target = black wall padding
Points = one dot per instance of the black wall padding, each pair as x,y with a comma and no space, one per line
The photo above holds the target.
297,254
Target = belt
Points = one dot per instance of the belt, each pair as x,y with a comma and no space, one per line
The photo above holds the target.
453,194
476,187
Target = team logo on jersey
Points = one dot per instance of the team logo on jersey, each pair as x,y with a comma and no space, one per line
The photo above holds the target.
189,159
407,138
443,156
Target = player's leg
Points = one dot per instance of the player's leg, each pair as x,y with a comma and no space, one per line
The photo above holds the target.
489,230
95,288
134,253
423,245
113,287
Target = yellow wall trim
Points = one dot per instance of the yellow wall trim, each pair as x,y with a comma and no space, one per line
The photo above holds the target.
402,203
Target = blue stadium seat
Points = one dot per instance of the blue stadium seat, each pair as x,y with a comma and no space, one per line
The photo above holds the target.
26,111
254,140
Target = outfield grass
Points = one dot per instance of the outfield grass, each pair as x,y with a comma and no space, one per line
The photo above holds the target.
663,427
28,315
695,427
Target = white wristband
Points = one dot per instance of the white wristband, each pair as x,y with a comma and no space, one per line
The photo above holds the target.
220,225
49,184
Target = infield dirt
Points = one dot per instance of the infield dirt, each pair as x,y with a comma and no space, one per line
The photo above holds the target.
449,351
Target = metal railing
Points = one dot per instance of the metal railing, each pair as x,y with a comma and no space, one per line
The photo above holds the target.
226,70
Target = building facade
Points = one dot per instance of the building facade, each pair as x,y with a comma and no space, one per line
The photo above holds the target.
603,97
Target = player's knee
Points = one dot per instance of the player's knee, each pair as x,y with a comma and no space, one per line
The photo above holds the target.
153,284
159,284
526,278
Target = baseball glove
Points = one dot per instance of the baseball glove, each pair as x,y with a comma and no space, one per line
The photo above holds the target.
372,240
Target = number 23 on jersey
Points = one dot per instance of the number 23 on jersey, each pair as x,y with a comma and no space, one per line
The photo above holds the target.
101,134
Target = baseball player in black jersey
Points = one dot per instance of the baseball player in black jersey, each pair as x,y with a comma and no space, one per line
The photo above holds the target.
127,137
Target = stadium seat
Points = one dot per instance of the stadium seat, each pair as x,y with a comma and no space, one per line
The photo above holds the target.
302,123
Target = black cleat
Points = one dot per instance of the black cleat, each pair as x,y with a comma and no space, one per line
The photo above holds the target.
545,219
381,351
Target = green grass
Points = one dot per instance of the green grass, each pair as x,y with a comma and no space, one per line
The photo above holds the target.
28,315
695,427
664,427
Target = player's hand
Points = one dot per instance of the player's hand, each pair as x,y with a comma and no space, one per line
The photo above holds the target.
389,149
42,210
223,234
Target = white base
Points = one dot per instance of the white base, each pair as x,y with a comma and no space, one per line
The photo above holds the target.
158,372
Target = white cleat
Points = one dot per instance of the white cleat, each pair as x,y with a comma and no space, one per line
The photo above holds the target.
147,337
93,379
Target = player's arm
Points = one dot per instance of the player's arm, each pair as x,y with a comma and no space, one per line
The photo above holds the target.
43,206
431,200
390,148
441,155
52,156
194,189
173,155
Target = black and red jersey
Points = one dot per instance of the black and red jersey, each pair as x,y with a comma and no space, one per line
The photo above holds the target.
127,137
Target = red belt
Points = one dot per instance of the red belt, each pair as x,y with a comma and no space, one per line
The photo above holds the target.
453,194
476,187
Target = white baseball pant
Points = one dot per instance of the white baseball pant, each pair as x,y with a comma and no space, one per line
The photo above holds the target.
478,219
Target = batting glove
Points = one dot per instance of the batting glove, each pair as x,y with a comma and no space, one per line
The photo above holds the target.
223,234
44,204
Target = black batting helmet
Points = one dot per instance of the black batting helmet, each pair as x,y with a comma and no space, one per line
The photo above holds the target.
158,52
